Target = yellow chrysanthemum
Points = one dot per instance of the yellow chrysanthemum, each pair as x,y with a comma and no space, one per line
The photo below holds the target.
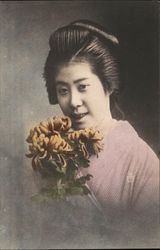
74,135
54,141
54,124
92,134
58,145
62,124
45,142
89,134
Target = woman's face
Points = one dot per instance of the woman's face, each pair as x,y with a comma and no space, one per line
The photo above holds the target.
81,95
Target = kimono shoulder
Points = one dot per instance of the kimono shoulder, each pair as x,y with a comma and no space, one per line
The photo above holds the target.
126,173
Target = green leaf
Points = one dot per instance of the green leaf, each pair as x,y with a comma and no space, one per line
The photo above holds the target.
40,197
63,169
83,179
76,191
53,163
60,185
86,190
46,190
83,162
88,177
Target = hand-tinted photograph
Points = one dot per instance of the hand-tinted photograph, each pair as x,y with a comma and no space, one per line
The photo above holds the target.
79,125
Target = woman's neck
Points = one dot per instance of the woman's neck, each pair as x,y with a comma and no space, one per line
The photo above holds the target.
106,124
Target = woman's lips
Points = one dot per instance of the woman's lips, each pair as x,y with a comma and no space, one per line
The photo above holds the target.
78,117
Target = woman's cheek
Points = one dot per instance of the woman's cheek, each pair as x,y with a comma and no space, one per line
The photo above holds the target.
64,104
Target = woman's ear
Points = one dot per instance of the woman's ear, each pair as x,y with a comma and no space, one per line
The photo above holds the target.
111,92
108,92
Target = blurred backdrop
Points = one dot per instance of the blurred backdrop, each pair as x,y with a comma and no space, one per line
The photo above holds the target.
25,27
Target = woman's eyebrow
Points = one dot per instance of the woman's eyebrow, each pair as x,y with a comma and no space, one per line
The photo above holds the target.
61,83
76,81
80,80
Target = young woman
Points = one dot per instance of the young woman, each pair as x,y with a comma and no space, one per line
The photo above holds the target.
81,74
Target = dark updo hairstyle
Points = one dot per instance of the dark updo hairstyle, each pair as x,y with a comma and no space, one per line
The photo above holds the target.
84,40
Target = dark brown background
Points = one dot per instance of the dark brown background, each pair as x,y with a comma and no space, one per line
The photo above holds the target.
24,31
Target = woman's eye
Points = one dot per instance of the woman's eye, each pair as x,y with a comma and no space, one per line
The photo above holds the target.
82,87
63,91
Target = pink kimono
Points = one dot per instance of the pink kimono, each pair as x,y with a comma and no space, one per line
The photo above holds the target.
125,175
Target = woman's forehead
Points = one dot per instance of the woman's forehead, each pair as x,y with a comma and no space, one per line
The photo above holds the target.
74,71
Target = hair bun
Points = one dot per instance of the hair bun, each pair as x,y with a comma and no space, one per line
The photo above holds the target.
91,26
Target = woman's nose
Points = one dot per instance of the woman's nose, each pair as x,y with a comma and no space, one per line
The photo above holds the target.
76,100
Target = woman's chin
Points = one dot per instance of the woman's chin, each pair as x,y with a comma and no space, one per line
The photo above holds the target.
81,125
78,125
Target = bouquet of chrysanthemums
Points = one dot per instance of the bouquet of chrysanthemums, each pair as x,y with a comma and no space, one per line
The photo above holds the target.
58,153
